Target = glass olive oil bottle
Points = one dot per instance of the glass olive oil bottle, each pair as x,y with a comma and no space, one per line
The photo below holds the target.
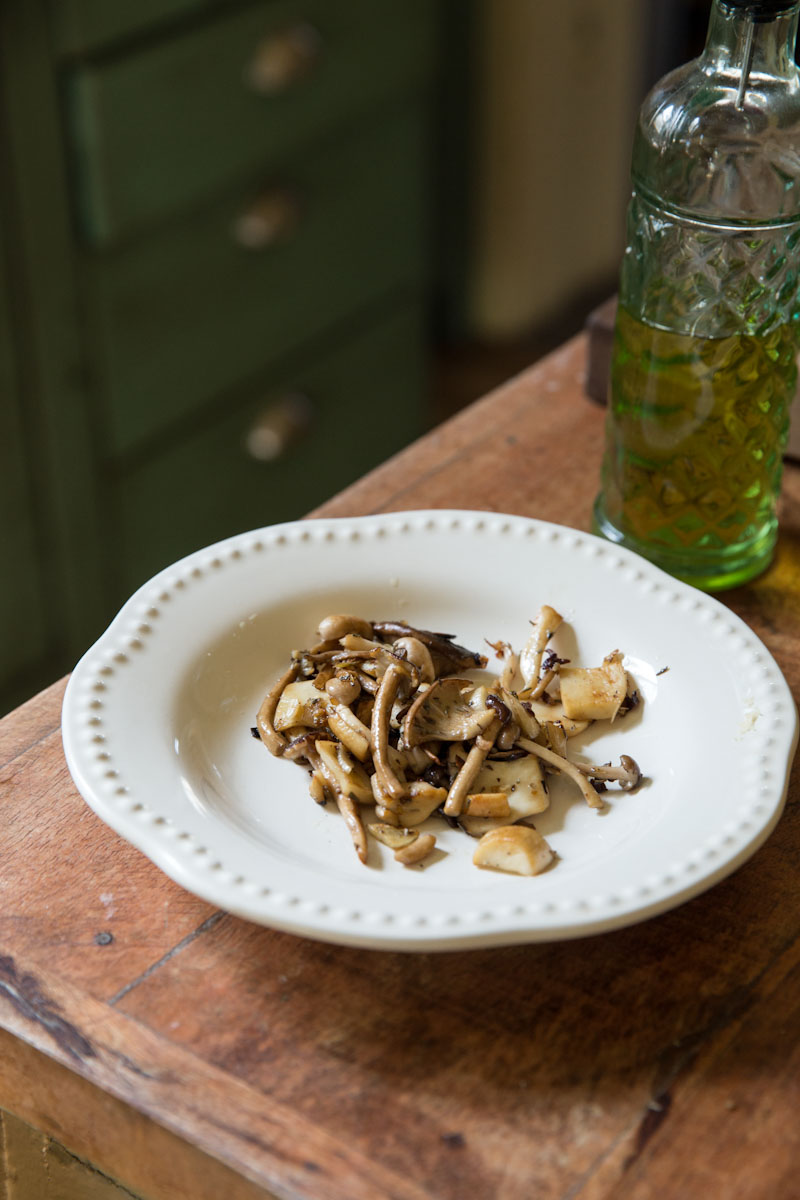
705,349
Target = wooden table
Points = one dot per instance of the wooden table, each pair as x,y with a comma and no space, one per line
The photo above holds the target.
190,1054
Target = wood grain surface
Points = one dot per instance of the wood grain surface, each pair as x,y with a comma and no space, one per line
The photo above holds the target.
186,1052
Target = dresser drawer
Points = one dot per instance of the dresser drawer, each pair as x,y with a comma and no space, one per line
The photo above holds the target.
155,132
79,26
361,403
189,313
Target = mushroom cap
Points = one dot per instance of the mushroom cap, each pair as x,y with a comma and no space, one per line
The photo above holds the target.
443,712
447,655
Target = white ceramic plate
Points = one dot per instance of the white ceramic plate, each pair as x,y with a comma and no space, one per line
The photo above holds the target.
157,720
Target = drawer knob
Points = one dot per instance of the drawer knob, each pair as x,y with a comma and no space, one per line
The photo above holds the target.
280,426
284,59
271,218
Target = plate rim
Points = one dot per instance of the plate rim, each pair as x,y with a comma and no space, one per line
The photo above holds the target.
148,833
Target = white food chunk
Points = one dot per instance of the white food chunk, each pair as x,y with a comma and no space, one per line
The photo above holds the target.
594,693
521,780
516,849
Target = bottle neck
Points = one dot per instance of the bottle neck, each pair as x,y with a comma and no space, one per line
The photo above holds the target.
741,40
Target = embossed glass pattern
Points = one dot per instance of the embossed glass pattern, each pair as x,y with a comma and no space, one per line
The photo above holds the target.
704,365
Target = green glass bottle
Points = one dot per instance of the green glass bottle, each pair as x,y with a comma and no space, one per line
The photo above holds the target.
704,363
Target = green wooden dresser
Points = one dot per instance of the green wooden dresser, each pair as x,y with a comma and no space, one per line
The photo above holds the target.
215,272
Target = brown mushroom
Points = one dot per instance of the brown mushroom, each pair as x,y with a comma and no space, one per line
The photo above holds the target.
520,780
447,655
545,623
337,625
627,774
444,712
564,765
274,741
343,687
350,730
414,853
416,652
391,836
390,789
462,784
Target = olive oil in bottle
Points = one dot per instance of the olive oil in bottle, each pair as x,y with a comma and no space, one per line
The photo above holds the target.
693,465
705,351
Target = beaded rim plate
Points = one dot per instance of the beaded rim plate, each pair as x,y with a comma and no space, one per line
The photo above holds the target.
157,717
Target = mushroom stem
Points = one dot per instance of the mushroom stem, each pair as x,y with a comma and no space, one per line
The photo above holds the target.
555,760
544,626
346,805
349,810
541,687
275,742
627,774
389,787
462,784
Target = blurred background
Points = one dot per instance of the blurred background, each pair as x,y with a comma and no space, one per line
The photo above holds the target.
251,248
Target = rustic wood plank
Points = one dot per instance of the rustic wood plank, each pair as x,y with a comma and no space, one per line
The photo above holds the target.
173,1125
31,722
72,894
566,1046
658,1060
38,1168
729,1112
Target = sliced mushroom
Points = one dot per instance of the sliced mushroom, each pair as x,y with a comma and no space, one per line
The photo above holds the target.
463,783
487,804
444,713
301,743
553,714
391,836
541,687
370,658
347,807
516,849
417,759
316,788
522,782
417,653
521,714
627,774
349,730
594,693
556,738
420,848
301,703
507,737
390,789
555,760
510,659
447,655
353,783
422,800
545,623
275,743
